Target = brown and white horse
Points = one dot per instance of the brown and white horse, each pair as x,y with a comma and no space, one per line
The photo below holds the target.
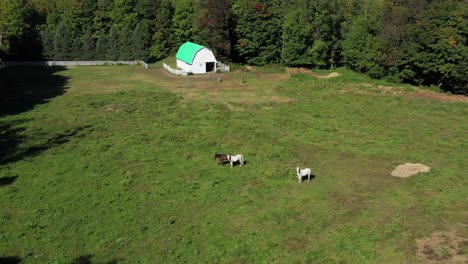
222,158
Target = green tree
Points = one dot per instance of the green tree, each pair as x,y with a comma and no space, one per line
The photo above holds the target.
162,39
113,47
13,22
102,47
184,22
123,14
88,45
102,17
47,40
125,44
437,50
363,47
296,34
63,42
141,42
77,49
258,37
215,26
147,9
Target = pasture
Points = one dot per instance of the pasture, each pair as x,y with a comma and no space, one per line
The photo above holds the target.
115,165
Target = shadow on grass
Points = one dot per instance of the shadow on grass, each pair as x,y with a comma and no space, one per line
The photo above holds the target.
21,89
88,259
11,153
5,181
305,178
10,260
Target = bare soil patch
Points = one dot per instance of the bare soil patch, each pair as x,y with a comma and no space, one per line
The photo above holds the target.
307,71
367,88
442,247
441,97
409,169
298,71
250,68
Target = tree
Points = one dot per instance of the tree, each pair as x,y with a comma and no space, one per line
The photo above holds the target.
113,47
63,42
47,40
13,22
89,8
183,22
296,34
363,48
102,47
77,49
123,14
215,24
140,42
147,9
162,36
258,37
437,48
88,45
125,44
102,19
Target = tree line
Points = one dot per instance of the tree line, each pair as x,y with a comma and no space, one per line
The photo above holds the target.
415,41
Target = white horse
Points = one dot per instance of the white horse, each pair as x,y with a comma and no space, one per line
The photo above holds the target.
304,172
236,158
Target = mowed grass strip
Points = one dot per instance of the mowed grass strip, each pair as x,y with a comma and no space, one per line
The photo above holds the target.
116,164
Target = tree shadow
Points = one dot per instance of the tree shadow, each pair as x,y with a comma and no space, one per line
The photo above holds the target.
12,153
23,87
88,259
5,181
10,137
10,260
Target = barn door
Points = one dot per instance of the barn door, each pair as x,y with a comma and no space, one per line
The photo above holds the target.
210,66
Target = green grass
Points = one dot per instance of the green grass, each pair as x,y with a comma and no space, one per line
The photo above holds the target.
116,164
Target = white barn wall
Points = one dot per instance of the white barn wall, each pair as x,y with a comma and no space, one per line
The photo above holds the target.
198,68
199,62
204,55
201,58
184,66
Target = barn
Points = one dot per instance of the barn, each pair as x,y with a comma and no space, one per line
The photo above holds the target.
195,58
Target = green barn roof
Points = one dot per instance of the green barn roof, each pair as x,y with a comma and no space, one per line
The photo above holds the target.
187,52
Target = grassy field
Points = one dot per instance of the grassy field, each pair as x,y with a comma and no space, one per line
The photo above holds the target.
115,165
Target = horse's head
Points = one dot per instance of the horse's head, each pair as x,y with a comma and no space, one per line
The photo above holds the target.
216,155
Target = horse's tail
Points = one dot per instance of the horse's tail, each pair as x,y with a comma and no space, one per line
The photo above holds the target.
242,160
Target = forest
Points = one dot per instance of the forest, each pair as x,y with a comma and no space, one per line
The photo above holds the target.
423,42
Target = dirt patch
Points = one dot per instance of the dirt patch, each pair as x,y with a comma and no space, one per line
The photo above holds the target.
442,247
388,90
441,97
295,244
232,108
307,71
279,99
115,107
409,169
298,71
250,68
367,88
331,75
